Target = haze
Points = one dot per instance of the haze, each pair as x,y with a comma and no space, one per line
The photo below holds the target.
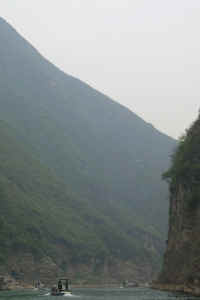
144,54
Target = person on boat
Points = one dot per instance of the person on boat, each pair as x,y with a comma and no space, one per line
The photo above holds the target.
54,288
60,285
67,285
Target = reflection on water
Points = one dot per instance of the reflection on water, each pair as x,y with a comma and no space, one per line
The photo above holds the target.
99,294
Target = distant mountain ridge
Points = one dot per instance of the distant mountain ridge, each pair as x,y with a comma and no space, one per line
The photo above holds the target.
99,153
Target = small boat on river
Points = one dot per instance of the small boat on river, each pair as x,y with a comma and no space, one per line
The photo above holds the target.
62,288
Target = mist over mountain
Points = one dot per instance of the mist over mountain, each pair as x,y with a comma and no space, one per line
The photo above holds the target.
93,163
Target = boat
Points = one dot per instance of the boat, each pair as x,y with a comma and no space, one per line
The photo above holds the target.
127,284
62,288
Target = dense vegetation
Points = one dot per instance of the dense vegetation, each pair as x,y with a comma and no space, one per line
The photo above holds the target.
185,167
78,171
46,215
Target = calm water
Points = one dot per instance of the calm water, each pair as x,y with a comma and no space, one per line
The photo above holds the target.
98,294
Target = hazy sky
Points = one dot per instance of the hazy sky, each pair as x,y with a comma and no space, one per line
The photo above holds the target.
144,54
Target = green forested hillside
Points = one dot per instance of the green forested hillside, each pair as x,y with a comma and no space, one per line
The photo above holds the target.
38,214
38,203
85,170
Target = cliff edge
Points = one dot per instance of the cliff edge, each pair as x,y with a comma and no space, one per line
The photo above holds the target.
181,267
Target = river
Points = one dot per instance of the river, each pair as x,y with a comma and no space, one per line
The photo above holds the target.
98,294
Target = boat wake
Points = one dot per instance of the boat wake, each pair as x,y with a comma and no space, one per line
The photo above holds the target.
47,294
66,295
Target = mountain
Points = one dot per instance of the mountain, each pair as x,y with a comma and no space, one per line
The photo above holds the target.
38,215
183,236
93,167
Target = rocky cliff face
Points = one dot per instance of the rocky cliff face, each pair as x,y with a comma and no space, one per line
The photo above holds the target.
181,269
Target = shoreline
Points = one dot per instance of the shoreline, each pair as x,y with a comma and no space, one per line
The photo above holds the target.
181,288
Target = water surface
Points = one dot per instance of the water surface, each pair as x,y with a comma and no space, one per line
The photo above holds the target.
98,294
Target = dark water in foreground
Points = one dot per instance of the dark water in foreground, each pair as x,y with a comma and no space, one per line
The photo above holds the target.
98,294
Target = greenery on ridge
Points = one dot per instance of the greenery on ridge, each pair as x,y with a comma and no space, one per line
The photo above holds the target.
185,167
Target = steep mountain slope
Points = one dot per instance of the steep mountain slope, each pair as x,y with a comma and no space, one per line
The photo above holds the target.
183,237
104,155
34,204
39,217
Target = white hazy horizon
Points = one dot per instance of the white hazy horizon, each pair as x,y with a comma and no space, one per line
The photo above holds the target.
143,54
